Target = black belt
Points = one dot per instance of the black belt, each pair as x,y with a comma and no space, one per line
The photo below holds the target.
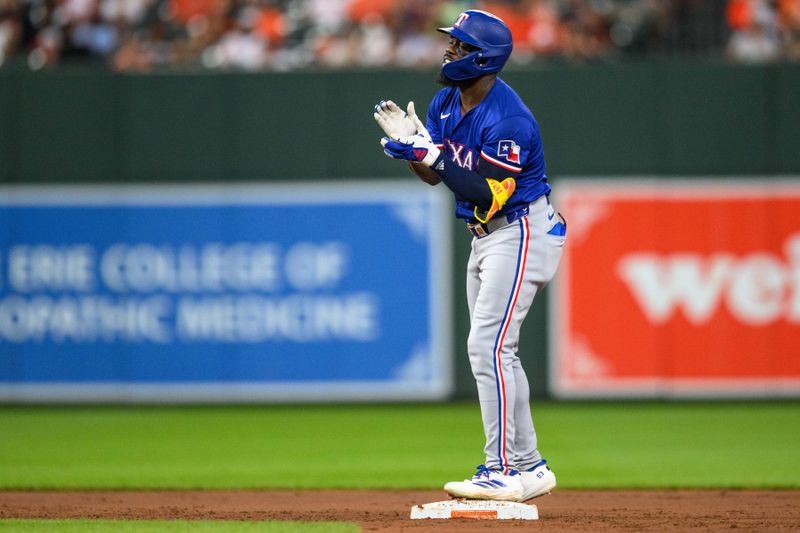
482,229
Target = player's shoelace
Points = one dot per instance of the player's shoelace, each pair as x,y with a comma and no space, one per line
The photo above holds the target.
482,472
483,477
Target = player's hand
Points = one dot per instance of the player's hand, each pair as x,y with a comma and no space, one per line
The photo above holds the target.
417,147
420,127
393,121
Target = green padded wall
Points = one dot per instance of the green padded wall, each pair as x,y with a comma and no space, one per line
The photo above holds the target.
7,122
786,115
65,127
671,118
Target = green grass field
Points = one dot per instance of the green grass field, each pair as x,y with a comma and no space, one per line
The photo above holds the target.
589,445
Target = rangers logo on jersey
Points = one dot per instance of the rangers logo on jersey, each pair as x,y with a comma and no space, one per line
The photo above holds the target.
509,150
461,155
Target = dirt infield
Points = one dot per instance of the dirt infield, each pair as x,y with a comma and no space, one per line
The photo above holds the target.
375,510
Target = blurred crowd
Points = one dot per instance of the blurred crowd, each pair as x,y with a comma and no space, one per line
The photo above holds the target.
145,35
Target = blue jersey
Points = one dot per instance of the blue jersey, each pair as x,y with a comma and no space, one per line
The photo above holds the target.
500,135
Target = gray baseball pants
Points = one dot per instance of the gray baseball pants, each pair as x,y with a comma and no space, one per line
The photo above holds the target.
506,270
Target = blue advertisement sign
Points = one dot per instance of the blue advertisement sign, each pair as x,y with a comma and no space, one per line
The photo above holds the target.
225,293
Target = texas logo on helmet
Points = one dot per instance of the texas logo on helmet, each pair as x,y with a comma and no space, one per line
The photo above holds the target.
509,150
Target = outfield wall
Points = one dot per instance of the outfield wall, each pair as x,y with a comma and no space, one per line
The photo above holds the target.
672,118
666,119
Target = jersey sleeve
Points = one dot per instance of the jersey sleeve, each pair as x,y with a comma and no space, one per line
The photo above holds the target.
506,145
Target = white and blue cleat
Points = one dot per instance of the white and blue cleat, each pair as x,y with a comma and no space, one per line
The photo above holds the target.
537,481
488,485
515,486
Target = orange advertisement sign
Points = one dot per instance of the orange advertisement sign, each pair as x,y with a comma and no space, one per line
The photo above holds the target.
677,288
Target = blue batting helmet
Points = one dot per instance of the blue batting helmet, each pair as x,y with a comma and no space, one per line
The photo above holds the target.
489,35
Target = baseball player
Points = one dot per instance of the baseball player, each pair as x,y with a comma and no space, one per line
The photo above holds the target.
483,143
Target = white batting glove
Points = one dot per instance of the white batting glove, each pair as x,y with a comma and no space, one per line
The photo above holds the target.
420,127
393,121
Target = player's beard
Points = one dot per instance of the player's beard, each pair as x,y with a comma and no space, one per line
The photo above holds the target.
444,81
